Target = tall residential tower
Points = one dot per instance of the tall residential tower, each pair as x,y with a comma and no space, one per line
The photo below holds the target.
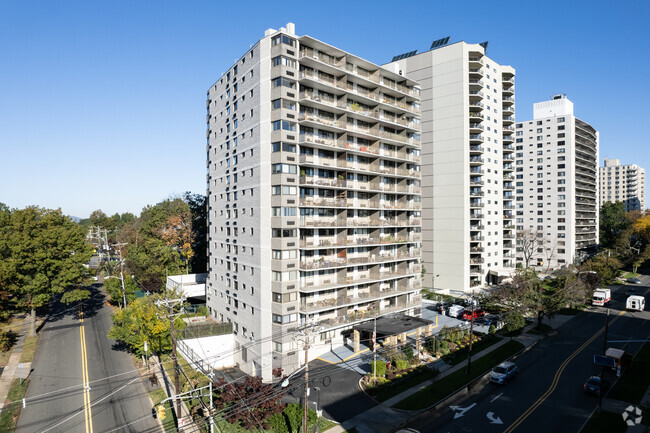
467,164
624,183
314,197
556,186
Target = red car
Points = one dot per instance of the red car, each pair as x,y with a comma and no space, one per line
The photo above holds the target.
467,314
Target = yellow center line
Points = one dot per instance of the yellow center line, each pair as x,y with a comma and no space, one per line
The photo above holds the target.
85,378
556,378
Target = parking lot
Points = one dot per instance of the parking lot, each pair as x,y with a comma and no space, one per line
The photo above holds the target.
429,312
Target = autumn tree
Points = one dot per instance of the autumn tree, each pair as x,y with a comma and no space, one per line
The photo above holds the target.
46,252
642,227
142,321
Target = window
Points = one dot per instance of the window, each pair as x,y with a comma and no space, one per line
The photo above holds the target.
284,125
282,39
284,211
283,168
282,82
284,147
283,61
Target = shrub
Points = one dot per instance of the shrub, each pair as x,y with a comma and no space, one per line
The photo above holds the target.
401,364
408,352
514,321
492,330
390,376
444,345
445,351
7,340
398,376
202,311
378,368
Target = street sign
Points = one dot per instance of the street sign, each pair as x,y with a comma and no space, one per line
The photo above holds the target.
605,361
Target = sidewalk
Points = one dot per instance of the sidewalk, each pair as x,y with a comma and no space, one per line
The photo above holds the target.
185,421
12,370
382,418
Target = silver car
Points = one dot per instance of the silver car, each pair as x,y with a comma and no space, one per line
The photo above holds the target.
503,372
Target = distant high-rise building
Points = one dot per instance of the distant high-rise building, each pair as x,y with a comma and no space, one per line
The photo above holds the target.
467,164
556,186
313,159
624,183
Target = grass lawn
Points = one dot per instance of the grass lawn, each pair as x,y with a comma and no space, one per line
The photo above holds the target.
605,422
630,275
635,381
168,423
542,330
11,413
445,386
29,349
461,355
14,325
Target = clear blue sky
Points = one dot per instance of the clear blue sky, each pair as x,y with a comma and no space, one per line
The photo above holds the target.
102,104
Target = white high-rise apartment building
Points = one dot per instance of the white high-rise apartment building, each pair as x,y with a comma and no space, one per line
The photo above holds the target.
467,165
556,186
313,161
624,183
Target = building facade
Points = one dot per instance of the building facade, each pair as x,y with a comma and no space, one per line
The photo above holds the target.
314,197
556,186
467,117
624,183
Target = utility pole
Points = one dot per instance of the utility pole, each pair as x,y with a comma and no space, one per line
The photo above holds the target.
374,351
170,303
119,249
471,334
602,368
306,408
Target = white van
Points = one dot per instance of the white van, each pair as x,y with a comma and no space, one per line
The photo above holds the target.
636,303
455,311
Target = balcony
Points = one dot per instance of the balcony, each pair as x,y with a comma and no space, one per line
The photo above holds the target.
475,62
476,192
475,215
508,120
322,181
475,203
475,72
323,202
476,106
474,148
474,182
475,138
475,160
508,109
509,138
475,171
320,139
475,95
476,238
475,115
508,186
475,127
322,120
473,82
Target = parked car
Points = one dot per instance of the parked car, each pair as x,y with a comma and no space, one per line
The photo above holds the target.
503,372
467,314
443,306
407,430
455,311
592,385
633,281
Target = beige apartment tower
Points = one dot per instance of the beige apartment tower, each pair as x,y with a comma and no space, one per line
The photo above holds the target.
556,186
624,183
467,165
313,178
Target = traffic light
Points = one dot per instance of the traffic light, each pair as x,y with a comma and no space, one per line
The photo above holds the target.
161,412
154,414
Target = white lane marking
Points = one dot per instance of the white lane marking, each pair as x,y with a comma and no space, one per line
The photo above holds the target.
461,410
492,401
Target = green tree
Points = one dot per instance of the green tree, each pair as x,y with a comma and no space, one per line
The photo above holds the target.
75,295
199,214
605,266
113,287
612,223
142,321
46,251
514,321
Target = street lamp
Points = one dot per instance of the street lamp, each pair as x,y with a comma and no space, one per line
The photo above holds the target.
433,283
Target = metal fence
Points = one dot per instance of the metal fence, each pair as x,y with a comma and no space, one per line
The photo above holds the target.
204,330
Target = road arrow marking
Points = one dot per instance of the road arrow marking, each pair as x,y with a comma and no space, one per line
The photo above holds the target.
493,419
461,410
492,401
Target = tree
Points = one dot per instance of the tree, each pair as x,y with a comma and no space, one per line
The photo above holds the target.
142,321
612,222
642,227
605,266
514,321
7,266
528,242
75,295
113,287
47,251
260,401
199,210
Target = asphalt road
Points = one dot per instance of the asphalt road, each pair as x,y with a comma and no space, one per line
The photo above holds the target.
56,399
547,394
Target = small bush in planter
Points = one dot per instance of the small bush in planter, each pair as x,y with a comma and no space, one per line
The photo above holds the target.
390,376
401,364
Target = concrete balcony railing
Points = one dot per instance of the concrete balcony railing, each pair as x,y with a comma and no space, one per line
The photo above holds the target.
325,202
